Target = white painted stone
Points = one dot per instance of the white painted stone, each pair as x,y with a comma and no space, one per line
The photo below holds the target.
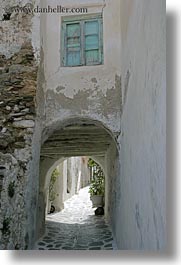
16,108
8,108
17,119
23,154
4,130
26,110
24,124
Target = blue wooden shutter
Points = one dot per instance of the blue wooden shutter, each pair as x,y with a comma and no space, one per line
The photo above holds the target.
73,44
92,42
82,42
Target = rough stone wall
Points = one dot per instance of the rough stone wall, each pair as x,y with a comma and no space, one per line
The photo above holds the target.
18,83
140,220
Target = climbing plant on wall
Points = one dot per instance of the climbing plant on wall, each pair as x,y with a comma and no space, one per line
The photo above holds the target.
97,186
53,179
97,171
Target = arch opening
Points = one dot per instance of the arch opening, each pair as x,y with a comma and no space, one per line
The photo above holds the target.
65,181
74,140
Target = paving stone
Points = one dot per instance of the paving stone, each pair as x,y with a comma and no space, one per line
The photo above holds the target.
50,234
108,248
49,246
77,227
108,240
95,248
54,249
102,226
48,241
46,238
41,244
108,245
109,235
67,248
84,243
58,245
96,244
80,248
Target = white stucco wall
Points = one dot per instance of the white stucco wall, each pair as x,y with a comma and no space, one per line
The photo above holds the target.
140,214
92,91
127,93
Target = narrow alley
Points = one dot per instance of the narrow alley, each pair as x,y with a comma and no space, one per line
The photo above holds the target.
76,227
83,102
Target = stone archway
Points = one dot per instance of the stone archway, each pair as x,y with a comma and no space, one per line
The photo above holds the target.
71,138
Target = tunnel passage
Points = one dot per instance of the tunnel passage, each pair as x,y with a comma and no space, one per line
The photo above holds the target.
77,140
82,138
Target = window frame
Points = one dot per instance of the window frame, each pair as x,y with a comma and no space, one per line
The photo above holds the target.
81,20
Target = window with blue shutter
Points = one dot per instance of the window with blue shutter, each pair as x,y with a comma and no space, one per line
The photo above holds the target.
82,42
73,43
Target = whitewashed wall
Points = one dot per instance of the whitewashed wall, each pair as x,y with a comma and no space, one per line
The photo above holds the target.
139,221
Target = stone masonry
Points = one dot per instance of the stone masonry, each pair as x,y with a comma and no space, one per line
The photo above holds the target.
18,83
17,93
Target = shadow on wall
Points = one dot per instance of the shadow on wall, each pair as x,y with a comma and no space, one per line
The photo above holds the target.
171,253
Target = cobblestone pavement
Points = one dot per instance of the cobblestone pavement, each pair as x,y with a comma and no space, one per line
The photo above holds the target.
76,227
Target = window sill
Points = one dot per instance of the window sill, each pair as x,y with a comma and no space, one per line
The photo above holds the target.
84,69
78,66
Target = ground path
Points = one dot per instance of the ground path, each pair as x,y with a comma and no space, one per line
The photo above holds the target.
76,227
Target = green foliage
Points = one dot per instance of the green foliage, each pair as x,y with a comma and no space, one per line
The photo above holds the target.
97,186
91,163
11,189
97,170
54,176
